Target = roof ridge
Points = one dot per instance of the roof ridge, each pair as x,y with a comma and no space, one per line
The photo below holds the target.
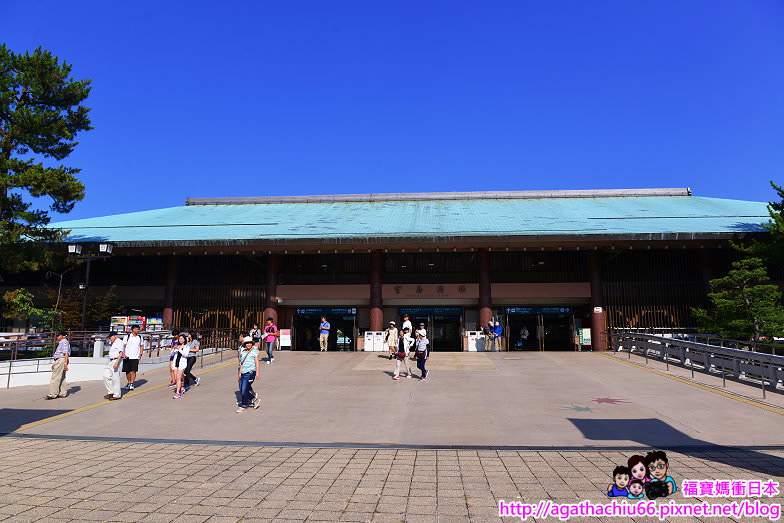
471,195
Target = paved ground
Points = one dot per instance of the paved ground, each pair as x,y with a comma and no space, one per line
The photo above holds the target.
338,440
111,481
488,399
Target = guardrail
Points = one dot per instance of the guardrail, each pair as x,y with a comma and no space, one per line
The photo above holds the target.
736,364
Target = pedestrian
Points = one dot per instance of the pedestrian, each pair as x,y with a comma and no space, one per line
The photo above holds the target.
404,344
391,339
270,332
193,349
57,385
255,333
422,349
174,350
180,362
111,373
247,373
324,334
498,331
239,349
524,337
134,347
407,324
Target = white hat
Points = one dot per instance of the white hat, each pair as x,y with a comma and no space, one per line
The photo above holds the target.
247,339
497,324
421,332
392,323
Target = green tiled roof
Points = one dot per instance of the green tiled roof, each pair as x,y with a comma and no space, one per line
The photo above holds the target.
652,217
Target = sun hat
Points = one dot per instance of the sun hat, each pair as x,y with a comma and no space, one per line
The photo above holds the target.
421,332
247,339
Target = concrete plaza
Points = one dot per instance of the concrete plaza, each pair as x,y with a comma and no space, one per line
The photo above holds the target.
337,439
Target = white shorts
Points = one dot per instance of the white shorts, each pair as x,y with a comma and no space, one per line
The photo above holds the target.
179,362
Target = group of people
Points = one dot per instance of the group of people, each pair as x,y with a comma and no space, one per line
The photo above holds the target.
184,349
249,366
126,350
643,476
403,347
494,333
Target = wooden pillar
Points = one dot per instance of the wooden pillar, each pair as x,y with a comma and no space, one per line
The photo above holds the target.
376,298
485,297
168,294
271,288
598,315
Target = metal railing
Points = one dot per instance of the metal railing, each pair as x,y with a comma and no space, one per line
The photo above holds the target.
731,363
26,363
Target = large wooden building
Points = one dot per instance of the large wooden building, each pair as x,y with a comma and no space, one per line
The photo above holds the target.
549,262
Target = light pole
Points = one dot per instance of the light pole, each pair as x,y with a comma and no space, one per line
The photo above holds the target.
75,252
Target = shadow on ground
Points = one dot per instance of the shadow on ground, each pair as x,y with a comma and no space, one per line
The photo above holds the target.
659,435
12,419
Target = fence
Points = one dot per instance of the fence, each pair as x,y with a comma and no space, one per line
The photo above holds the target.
762,368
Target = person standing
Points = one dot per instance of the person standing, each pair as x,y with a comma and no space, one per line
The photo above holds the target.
498,331
247,373
407,324
270,333
391,339
324,334
524,337
404,345
255,333
422,349
193,349
111,373
134,346
57,385
180,362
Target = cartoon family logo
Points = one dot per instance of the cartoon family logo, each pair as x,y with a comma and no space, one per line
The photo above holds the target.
643,476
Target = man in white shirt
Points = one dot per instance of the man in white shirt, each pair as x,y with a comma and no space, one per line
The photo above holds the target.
134,346
111,373
406,324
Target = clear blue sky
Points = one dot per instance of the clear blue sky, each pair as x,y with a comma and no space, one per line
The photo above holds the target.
275,98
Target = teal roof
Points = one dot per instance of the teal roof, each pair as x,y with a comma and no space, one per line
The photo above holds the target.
636,217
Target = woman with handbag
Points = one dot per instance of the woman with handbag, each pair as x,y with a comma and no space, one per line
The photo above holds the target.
403,346
422,352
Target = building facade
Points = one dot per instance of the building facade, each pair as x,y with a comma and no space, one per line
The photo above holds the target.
546,265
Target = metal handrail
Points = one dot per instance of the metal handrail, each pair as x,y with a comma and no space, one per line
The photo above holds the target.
737,364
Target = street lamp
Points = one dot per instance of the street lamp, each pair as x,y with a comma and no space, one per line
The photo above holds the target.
75,252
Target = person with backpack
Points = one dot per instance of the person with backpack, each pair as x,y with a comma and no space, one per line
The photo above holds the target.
391,338
247,373
403,346
422,351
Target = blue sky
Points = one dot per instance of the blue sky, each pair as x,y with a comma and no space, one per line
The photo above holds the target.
275,98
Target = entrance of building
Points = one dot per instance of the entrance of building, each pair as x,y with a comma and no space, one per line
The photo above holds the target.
540,328
444,325
305,328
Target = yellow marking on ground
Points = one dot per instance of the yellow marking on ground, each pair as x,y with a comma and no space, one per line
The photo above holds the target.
106,402
437,361
770,408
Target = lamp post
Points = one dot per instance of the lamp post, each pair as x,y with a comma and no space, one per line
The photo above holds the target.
75,252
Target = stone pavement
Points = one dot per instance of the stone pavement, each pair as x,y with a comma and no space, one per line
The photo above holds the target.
534,400
122,481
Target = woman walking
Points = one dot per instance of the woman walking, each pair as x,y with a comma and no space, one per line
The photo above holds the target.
247,372
404,344
422,352
391,339
270,333
179,363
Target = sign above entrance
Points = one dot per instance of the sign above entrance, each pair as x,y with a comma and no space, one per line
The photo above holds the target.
538,310
432,290
427,311
327,310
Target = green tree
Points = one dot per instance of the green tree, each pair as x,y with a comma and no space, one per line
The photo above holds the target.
745,306
41,113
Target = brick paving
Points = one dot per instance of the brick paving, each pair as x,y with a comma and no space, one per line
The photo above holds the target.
126,481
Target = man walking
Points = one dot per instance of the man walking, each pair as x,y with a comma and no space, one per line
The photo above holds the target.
324,334
57,386
111,373
406,324
134,346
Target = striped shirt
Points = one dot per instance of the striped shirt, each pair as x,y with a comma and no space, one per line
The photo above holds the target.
63,349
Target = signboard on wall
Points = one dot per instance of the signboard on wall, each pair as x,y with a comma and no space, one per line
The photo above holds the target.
328,311
285,337
538,310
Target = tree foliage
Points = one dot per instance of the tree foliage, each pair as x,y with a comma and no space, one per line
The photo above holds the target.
41,113
745,306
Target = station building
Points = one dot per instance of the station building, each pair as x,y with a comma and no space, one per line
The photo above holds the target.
549,262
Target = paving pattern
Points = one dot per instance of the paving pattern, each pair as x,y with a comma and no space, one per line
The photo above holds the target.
122,481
